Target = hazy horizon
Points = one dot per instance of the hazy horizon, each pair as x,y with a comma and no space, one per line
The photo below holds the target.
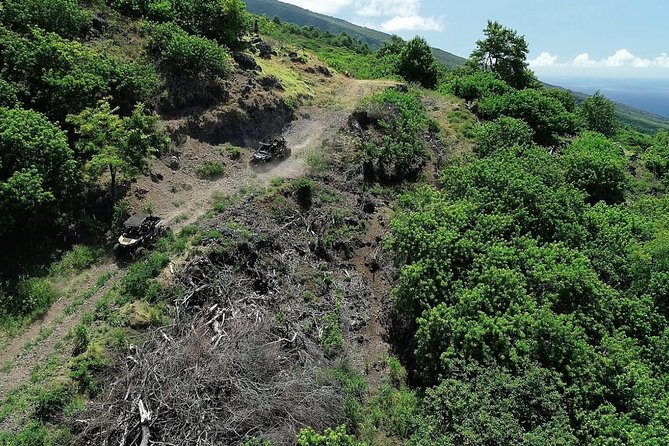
648,94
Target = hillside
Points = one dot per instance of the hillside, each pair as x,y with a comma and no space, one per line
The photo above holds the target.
471,259
303,17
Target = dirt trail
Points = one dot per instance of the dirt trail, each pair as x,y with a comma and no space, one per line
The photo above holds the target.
181,198
24,352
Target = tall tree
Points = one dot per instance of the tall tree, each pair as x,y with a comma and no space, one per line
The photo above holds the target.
598,113
417,63
118,146
503,52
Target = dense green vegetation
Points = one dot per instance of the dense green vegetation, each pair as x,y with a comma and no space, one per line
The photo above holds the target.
531,282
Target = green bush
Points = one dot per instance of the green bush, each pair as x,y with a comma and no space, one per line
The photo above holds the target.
80,339
86,367
33,434
502,134
331,437
51,402
135,284
77,259
181,55
234,152
65,17
399,155
8,94
474,86
595,165
546,115
211,169
32,297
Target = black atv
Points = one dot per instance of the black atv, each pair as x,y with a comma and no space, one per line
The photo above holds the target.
139,233
270,149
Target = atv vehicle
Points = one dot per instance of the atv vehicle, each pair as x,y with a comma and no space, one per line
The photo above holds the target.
139,233
270,149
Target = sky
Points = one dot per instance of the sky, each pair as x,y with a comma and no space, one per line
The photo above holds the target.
627,38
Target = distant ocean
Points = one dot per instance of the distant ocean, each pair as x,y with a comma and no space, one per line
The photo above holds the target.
646,94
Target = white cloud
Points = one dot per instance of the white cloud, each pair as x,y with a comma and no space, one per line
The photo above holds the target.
321,6
661,61
544,59
412,23
401,8
583,60
621,58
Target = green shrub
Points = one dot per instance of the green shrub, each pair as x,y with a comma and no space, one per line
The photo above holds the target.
502,134
135,284
474,86
399,155
33,434
64,17
80,339
8,94
51,402
181,55
234,152
210,169
32,297
595,165
331,437
77,259
544,114
85,368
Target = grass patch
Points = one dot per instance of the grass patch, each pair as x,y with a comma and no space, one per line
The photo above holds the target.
296,90
76,260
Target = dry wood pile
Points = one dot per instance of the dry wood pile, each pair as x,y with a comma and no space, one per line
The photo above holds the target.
244,355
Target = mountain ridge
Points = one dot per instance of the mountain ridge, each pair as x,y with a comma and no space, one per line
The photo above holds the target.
304,17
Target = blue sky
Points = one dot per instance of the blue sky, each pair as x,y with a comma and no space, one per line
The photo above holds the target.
566,37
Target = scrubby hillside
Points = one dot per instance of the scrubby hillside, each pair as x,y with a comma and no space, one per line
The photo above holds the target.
443,257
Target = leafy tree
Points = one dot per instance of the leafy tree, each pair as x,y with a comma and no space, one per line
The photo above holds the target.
417,63
598,114
118,146
59,77
501,134
391,47
37,167
504,53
